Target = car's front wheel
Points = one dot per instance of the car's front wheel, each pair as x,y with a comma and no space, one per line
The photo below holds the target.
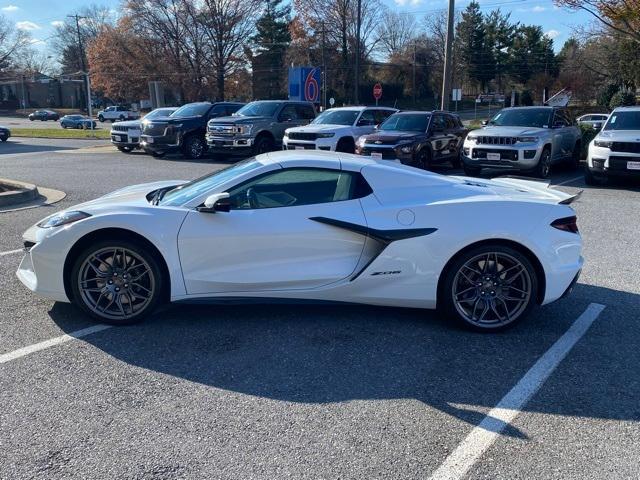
125,149
116,281
101,118
543,169
194,147
489,288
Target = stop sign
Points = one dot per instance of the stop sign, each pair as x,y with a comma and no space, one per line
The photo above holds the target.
377,91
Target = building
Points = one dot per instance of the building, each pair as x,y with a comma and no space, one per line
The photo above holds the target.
18,90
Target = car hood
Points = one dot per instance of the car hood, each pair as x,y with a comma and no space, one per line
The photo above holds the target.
132,196
238,120
3,127
516,188
318,128
390,136
128,123
619,135
490,131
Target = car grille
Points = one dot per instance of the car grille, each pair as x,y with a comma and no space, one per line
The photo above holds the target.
496,140
122,128
387,153
620,163
154,130
381,141
296,146
481,153
302,136
627,147
222,129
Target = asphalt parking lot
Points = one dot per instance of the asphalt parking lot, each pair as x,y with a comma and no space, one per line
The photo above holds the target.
316,392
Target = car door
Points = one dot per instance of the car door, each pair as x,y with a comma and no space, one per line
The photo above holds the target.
438,136
268,241
568,134
287,118
365,124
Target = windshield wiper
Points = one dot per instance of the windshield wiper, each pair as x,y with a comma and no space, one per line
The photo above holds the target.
159,194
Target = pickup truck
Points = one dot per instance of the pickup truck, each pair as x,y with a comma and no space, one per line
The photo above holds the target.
115,114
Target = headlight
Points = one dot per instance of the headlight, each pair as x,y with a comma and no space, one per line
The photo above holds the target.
406,147
528,139
244,129
62,218
325,135
172,129
603,143
472,138
360,142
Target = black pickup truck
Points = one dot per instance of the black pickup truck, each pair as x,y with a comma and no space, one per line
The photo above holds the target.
184,131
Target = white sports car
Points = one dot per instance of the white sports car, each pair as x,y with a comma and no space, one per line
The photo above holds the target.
305,225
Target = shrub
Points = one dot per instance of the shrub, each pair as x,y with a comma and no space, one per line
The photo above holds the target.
604,96
622,99
526,99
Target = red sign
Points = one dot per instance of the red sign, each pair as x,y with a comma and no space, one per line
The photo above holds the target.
377,91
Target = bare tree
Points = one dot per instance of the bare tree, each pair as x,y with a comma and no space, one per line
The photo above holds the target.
395,32
13,43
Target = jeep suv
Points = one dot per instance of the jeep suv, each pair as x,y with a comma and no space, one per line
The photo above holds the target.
184,131
616,149
419,139
529,139
258,127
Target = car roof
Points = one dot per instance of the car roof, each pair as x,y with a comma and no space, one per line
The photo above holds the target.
633,108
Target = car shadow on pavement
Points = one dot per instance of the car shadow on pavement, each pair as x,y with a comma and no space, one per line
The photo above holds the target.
13,147
338,353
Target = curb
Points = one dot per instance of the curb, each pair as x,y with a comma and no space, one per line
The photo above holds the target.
13,192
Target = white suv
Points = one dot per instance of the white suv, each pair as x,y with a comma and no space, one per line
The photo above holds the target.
615,151
336,129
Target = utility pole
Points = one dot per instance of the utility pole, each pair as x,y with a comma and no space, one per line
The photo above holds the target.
84,70
446,77
324,72
414,73
357,79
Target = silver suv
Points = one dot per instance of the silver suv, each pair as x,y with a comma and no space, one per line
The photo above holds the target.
528,139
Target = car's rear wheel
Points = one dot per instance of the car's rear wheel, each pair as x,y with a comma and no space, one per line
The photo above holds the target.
489,288
116,281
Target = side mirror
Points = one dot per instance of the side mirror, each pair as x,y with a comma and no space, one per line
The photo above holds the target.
484,123
216,203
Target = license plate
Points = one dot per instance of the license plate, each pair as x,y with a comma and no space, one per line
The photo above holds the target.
148,140
376,155
493,156
633,165
299,148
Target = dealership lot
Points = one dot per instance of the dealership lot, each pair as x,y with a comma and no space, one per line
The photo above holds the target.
311,391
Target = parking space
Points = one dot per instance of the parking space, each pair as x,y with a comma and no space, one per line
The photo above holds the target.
308,391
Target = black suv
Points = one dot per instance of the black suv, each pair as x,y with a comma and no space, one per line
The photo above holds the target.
419,139
184,131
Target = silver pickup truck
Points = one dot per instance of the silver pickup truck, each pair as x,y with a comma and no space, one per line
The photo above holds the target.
528,139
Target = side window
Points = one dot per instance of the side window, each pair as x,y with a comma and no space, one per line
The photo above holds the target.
381,115
561,119
295,187
288,113
367,119
233,108
305,112
438,124
451,123
218,111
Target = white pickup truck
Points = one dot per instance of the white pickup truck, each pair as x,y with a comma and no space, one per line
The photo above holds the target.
117,114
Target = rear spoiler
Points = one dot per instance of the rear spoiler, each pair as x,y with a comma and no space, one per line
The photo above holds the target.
543,184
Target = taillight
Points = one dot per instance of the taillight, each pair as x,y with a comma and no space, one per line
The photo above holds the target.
568,224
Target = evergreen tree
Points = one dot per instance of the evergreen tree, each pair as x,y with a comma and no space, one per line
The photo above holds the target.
475,52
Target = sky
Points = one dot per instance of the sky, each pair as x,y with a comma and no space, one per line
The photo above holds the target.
39,17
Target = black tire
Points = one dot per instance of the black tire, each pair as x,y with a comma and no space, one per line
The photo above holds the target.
63,126
153,282
543,169
101,118
31,119
494,287
471,171
194,147
79,126
158,154
424,159
125,149
346,145
591,179
4,139
263,145
575,156
456,162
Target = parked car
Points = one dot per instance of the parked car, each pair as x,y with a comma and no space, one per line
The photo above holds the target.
528,139
594,120
615,151
117,113
77,121
419,139
44,115
336,129
126,135
258,127
5,133
184,131
312,226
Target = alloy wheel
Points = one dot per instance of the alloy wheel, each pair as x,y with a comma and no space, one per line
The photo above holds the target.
116,283
492,289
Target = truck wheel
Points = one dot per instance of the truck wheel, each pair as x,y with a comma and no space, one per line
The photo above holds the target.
543,169
263,145
101,118
194,147
346,145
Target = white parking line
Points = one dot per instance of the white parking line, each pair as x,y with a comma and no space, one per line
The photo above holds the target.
52,342
467,453
568,181
11,252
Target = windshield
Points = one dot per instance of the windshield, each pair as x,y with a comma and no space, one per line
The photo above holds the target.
337,117
407,122
623,121
159,112
187,192
192,110
522,117
258,109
